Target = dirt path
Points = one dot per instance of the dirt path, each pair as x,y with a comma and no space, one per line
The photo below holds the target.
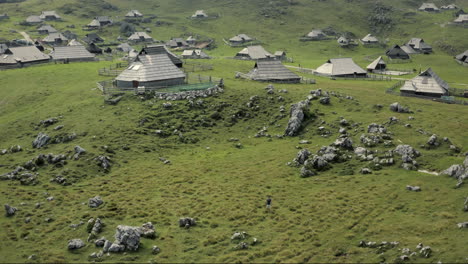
26,36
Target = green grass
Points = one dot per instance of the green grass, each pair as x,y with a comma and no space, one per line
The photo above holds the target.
317,219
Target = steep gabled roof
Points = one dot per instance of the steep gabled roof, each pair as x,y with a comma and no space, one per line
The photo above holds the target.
71,52
272,70
134,13
428,6
462,57
149,68
426,82
22,54
74,42
369,38
139,36
316,34
340,66
200,13
161,49
374,65
241,38
255,52
408,49
396,50
45,14
462,18
33,19
48,28
94,23
3,48
418,43
52,37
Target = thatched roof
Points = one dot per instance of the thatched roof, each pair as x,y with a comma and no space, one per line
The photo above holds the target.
198,53
74,42
161,49
140,36
22,54
124,47
150,68
254,53
71,53
340,67
272,70
134,13
316,34
427,82
397,52
94,23
419,44
369,38
47,28
377,64
462,18
462,57
241,38
33,19
428,7
49,14
53,37
199,13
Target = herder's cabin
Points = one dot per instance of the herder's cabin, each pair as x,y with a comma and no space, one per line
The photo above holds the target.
133,14
378,65
72,53
419,45
194,54
316,34
177,43
429,7
46,29
22,56
341,67
272,71
155,70
240,39
33,20
49,16
92,38
253,53
199,14
427,83
461,19
55,38
124,47
396,52
140,37
161,49
462,58
369,39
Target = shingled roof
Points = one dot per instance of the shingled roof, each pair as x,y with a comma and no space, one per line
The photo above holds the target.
23,54
150,68
369,39
254,52
427,82
462,57
340,67
241,38
161,49
428,7
71,53
377,64
272,71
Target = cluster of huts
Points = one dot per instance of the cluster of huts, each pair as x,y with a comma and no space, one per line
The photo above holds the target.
462,17
156,66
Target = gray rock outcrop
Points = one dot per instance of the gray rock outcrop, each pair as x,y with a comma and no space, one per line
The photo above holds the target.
75,244
41,140
95,202
127,236
296,117
9,210
302,156
396,107
413,188
147,230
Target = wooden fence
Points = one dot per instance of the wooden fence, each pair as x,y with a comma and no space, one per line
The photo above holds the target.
303,79
114,69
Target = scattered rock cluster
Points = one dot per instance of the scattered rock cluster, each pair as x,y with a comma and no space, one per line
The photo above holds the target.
188,95
296,118
458,171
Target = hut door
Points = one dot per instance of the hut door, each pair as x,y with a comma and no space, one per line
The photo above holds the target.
136,84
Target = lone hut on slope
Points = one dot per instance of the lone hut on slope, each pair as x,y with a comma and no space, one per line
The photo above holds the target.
151,71
429,7
341,67
369,39
462,58
427,83
377,65
419,45
272,71
194,54
253,53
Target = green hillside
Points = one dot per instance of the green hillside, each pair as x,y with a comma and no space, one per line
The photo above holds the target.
221,168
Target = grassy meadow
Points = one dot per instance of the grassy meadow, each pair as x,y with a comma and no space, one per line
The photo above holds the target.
222,184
